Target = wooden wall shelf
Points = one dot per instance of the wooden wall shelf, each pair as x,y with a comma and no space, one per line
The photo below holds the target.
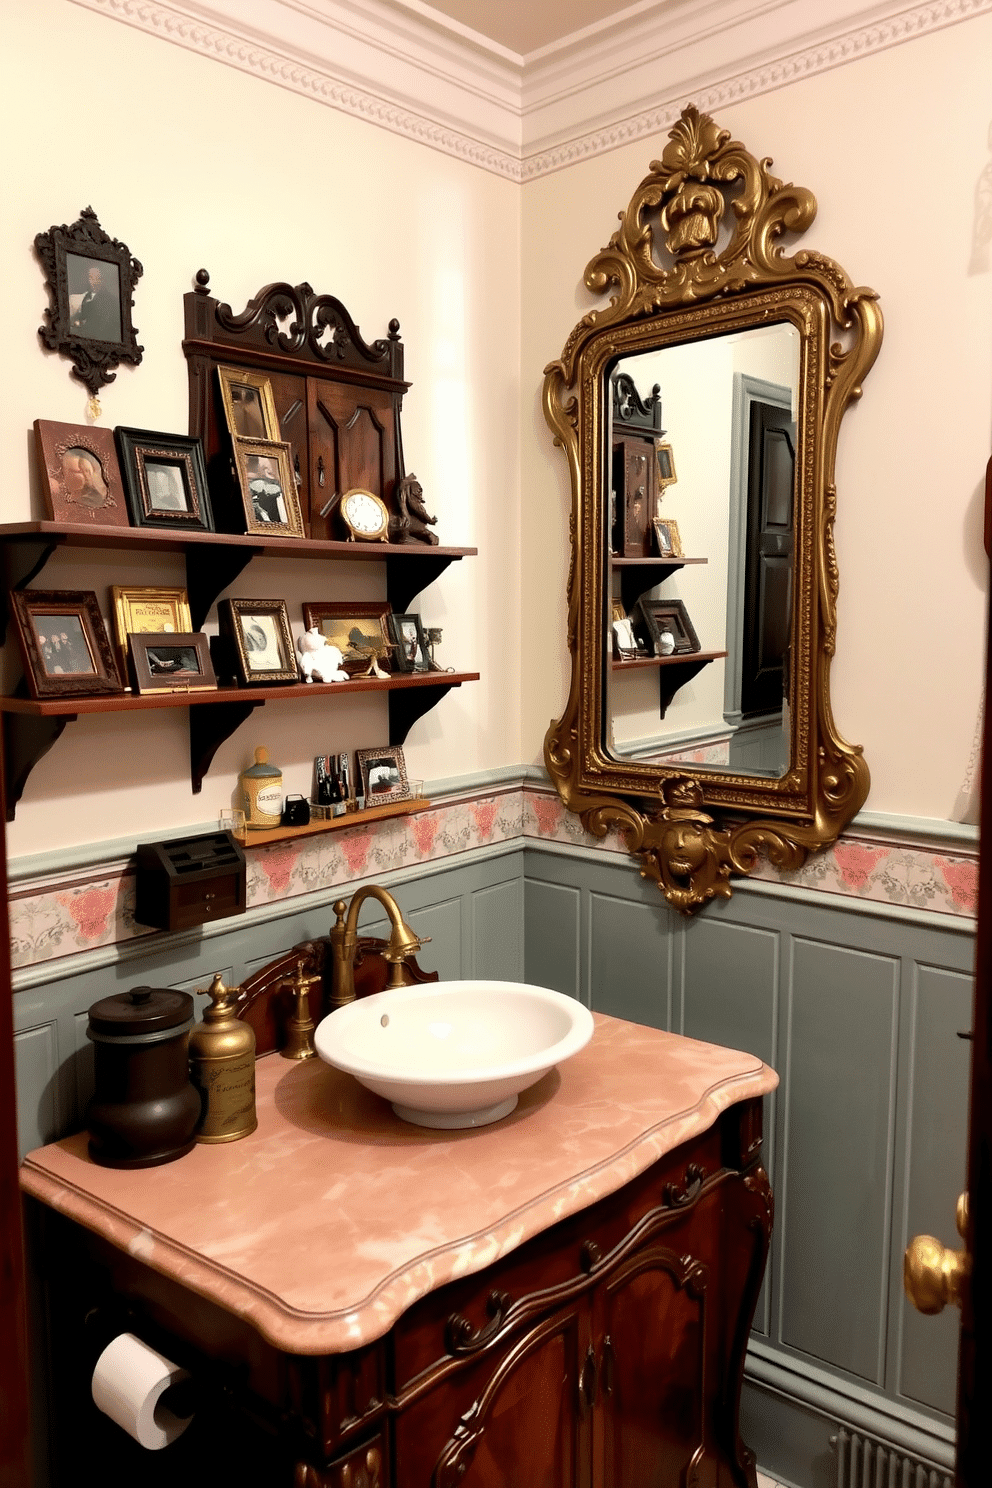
638,575
215,559
31,726
336,823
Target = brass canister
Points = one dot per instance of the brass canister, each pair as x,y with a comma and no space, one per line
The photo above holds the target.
222,1067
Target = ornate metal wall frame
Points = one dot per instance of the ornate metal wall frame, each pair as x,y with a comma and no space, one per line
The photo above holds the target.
95,357
670,280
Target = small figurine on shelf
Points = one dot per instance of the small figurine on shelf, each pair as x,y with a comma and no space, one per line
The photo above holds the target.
319,660
414,521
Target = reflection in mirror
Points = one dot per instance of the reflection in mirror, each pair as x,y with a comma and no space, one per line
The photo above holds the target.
711,546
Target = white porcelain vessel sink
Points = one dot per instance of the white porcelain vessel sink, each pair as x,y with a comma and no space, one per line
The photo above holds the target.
454,1054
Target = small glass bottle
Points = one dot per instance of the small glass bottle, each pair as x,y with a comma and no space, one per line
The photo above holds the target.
222,1067
261,786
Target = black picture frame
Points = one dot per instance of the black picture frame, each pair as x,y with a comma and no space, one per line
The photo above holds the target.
91,283
411,652
165,480
657,615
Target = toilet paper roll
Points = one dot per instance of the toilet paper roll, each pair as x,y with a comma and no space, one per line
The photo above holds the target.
128,1384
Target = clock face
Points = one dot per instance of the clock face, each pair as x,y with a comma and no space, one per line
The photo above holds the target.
364,513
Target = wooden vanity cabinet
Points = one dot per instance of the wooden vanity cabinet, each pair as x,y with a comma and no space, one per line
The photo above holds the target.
606,1352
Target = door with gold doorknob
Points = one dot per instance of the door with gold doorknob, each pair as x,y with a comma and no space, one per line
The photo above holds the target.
935,1274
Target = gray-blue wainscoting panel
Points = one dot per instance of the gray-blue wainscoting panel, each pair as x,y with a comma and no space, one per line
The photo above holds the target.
858,1008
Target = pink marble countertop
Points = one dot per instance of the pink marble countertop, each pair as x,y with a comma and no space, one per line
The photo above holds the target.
397,1210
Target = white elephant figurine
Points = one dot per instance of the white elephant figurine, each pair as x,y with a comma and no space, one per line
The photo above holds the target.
319,660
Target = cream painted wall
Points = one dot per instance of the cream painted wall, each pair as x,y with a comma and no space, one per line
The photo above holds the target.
193,164
893,145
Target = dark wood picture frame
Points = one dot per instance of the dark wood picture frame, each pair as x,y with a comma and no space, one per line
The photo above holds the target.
237,617
658,615
80,477
151,667
47,654
144,454
370,762
408,637
261,492
86,264
333,620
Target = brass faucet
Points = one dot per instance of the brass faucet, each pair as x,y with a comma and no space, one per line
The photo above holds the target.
344,943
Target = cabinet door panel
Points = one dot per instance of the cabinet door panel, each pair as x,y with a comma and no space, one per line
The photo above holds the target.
352,443
650,1318
290,396
514,1419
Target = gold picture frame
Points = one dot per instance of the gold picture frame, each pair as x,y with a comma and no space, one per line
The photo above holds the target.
666,466
248,403
268,488
666,537
146,608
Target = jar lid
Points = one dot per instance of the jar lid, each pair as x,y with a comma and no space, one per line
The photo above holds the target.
142,1010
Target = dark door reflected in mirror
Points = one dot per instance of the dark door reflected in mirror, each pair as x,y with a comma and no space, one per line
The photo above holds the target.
700,540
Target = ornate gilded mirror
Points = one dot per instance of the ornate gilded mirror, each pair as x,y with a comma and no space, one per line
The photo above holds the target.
700,411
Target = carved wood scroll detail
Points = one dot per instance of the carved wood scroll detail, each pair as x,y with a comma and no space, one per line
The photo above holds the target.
667,275
462,1339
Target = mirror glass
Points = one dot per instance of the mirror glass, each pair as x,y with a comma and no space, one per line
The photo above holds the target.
699,551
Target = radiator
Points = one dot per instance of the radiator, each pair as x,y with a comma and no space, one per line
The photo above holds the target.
863,1462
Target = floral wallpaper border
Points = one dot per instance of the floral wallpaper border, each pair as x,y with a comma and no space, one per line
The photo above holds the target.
62,915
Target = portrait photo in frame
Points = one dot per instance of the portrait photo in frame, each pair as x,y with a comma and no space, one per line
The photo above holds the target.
171,661
383,775
268,488
358,628
165,479
411,653
666,536
66,649
142,609
248,404
80,477
91,282
262,641
660,615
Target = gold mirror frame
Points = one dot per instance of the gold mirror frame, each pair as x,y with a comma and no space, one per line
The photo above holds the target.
664,811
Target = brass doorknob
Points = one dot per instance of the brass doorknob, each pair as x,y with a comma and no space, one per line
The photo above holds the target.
932,1273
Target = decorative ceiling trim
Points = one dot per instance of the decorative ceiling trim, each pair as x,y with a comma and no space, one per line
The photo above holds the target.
413,73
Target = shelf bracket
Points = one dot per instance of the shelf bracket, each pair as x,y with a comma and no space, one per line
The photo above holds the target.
26,739
209,570
670,679
209,725
412,703
405,580
22,562
637,581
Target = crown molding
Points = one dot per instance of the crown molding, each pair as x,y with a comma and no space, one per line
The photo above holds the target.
404,66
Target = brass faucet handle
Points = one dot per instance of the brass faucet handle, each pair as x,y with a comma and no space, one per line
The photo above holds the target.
299,1025
933,1274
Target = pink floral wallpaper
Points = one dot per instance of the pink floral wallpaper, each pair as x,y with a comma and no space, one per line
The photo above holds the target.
63,916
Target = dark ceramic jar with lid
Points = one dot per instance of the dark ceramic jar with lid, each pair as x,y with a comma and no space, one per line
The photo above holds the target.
144,1110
